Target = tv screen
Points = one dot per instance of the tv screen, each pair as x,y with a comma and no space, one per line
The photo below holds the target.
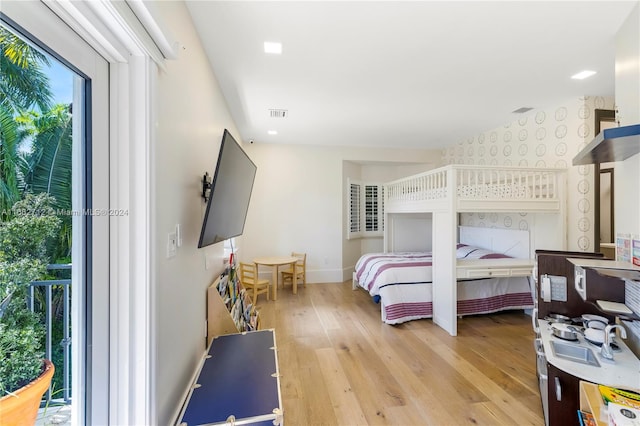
230,193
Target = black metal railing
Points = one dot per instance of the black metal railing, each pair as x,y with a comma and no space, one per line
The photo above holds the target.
53,296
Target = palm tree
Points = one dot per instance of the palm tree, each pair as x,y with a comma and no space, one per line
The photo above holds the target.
47,167
9,142
23,85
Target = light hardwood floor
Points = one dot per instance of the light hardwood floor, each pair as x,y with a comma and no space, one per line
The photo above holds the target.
340,365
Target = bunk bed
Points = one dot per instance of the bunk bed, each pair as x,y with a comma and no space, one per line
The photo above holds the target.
446,192
402,282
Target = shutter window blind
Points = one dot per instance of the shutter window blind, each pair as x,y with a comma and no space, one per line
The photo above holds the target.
354,208
371,212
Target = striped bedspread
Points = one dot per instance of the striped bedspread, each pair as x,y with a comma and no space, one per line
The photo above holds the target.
376,270
402,283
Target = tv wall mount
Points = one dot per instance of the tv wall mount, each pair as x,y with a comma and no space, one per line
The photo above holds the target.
206,186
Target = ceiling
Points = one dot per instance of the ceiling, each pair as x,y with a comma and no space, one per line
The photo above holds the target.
417,74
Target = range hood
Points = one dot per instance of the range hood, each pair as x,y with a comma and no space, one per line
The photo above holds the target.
615,144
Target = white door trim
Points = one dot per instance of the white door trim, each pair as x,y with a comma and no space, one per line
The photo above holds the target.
111,29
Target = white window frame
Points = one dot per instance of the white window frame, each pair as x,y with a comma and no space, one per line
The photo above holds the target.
129,42
354,219
357,221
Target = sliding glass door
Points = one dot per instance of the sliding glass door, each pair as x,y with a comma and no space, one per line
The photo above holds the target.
60,150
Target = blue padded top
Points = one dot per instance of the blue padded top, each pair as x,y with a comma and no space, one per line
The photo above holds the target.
236,380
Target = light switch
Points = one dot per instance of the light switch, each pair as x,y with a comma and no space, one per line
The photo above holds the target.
178,235
172,244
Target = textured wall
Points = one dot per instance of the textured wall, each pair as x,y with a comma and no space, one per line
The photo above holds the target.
541,138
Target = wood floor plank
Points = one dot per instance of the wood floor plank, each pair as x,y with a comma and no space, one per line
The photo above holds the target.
432,411
516,384
498,395
488,413
366,376
340,365
316,405
343,400
432,368
290,385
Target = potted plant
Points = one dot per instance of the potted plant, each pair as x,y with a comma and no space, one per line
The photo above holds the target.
24,374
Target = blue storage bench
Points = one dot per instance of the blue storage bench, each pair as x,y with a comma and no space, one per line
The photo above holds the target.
238,383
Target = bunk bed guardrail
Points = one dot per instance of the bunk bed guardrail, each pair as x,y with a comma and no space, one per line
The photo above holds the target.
517,188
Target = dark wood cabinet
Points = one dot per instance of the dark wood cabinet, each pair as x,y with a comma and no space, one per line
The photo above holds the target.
556,263
564,397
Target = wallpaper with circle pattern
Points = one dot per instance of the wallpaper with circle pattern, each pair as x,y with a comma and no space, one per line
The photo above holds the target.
541,138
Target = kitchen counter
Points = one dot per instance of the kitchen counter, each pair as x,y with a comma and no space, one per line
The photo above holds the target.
623,372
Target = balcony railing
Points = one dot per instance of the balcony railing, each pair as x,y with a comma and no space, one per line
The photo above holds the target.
54,298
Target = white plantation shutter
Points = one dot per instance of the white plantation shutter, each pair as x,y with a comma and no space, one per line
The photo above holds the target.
354,209
371,208
381,212
365,210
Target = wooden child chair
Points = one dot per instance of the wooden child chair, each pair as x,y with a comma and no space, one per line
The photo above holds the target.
250,281
300,270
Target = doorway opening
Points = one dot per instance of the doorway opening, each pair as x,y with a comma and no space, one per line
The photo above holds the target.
604,190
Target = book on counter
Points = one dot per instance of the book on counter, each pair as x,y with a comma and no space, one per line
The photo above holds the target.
619,396
586,418
622,415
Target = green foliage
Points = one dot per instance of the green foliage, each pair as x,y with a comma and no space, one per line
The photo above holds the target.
23,258
9,142
47,167
23,85
35,157
22,82
29,120
15,276
20,355
33,223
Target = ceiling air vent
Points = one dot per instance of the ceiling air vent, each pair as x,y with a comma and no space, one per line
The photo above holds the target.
522,110
278,113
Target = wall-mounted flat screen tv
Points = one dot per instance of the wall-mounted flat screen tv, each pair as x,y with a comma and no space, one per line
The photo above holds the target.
230,193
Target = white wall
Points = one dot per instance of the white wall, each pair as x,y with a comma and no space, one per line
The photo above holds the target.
627,195
298,203
409,232
190,115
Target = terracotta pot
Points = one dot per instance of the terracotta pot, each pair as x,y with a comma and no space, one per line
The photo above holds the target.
21,407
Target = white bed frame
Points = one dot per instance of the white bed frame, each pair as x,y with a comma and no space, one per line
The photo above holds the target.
447,191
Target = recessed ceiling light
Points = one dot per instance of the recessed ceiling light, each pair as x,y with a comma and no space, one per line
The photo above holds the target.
583,74
273,47
272,132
